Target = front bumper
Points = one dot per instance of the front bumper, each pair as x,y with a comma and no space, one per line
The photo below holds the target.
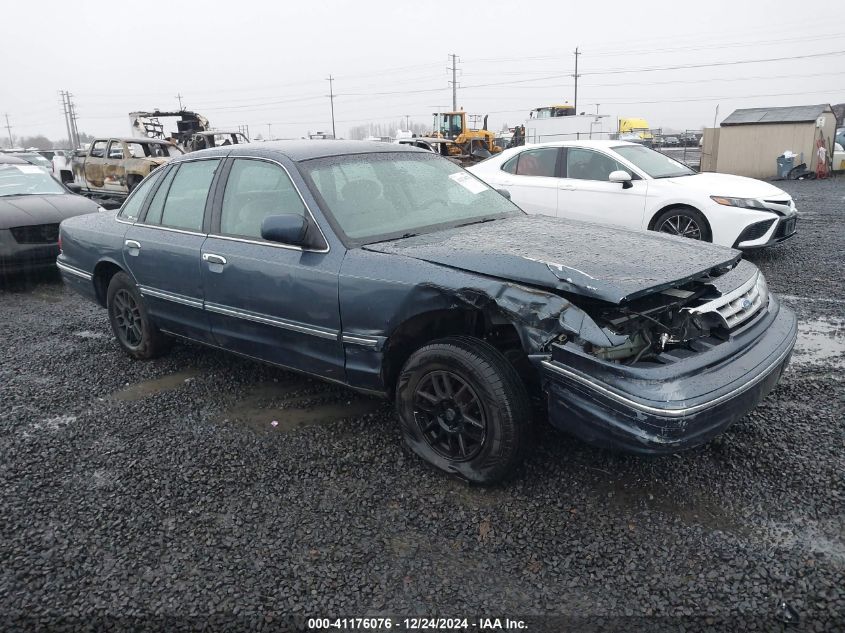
19,258
783,229
670,407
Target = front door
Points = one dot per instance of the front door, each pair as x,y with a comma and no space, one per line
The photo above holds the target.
114,168
271,301
587,194
93,165
163,250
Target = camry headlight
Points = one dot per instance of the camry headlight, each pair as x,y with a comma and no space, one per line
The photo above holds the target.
745,203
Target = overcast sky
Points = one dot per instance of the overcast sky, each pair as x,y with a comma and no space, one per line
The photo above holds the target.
266,62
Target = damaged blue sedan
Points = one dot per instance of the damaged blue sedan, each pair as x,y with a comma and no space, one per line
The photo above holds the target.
395,272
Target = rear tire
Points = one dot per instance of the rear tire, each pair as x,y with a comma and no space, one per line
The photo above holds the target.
463,408
130,322
683,222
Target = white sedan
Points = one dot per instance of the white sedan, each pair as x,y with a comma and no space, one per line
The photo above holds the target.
626,184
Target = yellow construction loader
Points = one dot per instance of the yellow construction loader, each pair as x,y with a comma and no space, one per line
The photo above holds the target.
467,144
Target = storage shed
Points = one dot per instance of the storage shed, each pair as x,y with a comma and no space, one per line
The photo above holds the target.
750,140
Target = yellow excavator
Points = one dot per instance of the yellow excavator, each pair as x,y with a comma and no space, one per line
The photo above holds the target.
468,145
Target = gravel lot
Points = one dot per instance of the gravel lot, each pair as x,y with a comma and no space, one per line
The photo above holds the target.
133,492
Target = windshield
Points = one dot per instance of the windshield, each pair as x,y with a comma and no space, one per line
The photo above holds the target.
22,180
375,197
653,163
35,159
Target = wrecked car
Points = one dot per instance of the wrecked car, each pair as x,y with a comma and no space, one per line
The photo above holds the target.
114,167
395,272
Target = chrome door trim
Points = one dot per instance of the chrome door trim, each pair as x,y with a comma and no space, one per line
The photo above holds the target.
364,341
132,244
167,228
171,296
74,271
273,321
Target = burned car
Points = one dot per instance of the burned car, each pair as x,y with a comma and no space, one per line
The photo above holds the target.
395,272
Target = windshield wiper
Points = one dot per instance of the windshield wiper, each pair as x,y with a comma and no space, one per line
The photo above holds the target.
481,221
393,239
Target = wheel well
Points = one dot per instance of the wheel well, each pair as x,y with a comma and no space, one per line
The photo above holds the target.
103,272
429,326
657,213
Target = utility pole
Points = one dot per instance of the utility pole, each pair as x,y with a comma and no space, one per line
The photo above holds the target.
407,122
269,136
454,82
9,130
331,101
67,116
577,53
73,129
716,115
179,96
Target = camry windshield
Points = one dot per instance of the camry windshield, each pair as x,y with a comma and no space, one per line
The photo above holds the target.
27,180
653,163
376,197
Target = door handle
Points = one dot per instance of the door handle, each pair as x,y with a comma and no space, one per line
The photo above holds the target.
211,258
567,187
132,244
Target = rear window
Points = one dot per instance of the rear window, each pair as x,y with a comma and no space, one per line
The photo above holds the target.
184,206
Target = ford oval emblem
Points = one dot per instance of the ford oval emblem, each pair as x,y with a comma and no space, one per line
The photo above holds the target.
746,303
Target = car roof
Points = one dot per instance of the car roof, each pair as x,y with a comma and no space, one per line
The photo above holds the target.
604,143
306,149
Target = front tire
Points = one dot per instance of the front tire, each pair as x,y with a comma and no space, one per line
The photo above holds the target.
130,322
683,222
463,408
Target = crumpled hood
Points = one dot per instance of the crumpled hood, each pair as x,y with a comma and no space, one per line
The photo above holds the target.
47,209
592,260
713,184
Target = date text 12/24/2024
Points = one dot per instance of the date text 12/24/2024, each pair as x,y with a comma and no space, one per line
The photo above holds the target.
416,624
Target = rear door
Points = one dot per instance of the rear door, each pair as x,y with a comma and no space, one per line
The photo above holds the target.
163,250
531,179
271,301
587,194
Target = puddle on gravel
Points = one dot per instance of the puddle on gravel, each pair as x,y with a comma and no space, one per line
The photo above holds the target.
820,341
89,334
145,388
273,407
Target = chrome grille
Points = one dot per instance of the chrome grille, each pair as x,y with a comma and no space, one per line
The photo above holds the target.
739,305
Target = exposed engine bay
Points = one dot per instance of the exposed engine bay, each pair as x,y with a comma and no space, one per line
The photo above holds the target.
675,317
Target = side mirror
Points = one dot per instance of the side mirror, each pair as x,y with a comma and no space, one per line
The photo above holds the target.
505,193
74,187
285,228
621,176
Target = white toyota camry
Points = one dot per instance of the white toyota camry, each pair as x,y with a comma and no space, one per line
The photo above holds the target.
626,184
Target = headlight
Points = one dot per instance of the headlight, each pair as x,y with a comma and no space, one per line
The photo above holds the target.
745,203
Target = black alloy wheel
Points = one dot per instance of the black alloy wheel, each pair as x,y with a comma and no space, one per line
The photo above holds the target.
450,415
127,315
135,332
463,408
